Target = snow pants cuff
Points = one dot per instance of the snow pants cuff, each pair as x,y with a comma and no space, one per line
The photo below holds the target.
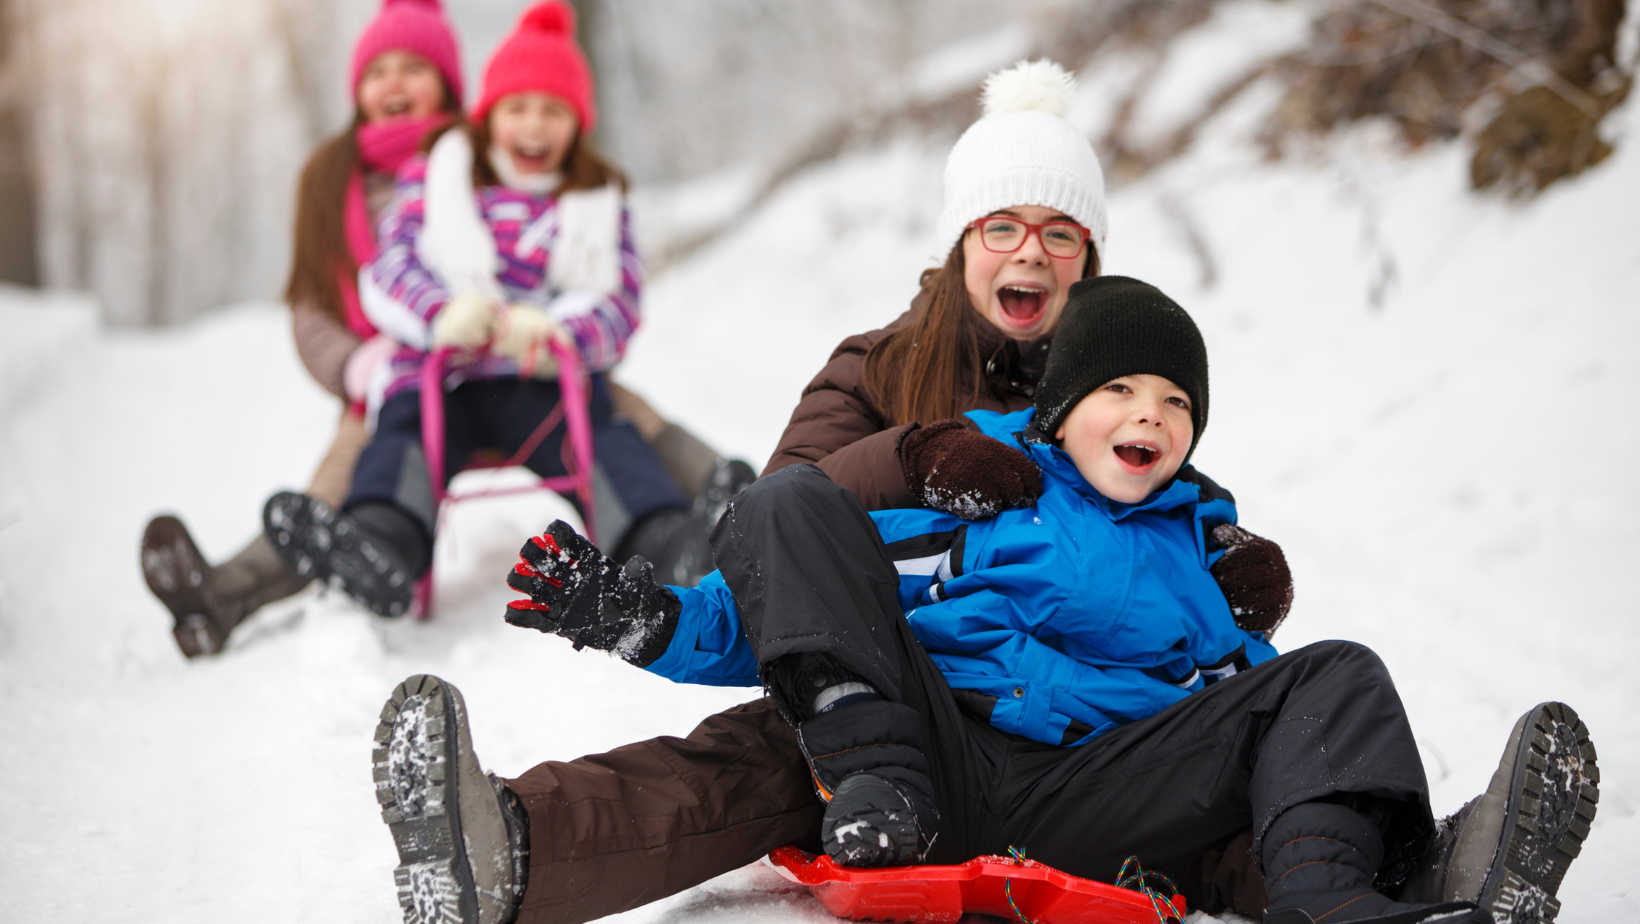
883,737
610,832
810,575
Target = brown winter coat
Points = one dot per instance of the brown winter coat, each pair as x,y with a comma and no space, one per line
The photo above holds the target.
837,427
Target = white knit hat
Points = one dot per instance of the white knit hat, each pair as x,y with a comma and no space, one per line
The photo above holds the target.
1022,151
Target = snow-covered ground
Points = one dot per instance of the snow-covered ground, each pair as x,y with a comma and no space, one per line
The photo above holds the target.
1426,396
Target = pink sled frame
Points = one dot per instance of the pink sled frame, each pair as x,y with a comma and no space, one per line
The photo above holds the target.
573,388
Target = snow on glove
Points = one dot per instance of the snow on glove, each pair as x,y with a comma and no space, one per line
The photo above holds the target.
466,321
961,471
1253,574
522,336
580,593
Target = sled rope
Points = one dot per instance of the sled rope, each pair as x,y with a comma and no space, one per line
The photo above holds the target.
1139,881
1018,856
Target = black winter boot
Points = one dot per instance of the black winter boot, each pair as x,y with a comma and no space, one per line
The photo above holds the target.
728,478
373,553
866,755
873,820
1319,862
1508,849
868,765
462,836
674,543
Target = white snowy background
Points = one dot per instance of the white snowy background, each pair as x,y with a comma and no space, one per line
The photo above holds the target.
1427,396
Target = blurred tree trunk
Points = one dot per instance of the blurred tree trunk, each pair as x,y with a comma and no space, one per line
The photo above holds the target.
166,151
18,260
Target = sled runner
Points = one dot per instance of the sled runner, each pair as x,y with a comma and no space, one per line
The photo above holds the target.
1013,888
573,393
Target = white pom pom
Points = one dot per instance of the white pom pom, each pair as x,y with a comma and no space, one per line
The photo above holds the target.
1041,85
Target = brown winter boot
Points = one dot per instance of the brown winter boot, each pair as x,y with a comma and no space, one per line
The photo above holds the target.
1508,849
249,581
462,836
208,602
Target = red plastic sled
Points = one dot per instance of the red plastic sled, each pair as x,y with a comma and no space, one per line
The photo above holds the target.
943,894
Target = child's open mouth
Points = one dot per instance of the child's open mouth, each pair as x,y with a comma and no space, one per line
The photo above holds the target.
1136,457
530,158
396,107
1022,304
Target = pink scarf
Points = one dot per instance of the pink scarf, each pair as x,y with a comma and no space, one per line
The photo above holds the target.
382,148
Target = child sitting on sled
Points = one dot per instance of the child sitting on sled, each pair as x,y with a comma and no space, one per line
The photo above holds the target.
511,233
1064,679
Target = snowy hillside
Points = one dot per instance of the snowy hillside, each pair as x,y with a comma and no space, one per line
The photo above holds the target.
1427,397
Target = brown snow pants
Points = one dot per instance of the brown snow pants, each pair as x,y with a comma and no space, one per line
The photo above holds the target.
611,832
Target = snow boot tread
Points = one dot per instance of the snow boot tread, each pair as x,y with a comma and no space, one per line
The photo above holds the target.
320,543
459,862
1553,791
872,822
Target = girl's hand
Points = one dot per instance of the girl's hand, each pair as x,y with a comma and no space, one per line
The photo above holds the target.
362,364
522,336
467,321
963,472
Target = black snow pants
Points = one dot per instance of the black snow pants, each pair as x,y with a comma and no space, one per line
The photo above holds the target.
810,574
629,482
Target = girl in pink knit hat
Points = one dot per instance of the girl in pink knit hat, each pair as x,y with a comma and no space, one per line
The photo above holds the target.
511,233
406,80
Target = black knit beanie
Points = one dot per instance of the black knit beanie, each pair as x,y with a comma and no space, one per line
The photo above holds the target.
1115,326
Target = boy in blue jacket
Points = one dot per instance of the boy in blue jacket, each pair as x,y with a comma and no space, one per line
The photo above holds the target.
1066,678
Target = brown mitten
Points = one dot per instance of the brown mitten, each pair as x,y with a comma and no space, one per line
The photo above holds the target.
1253,574
966,473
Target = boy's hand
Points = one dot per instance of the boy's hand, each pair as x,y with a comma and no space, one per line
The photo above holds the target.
961,471
579,593
1253,574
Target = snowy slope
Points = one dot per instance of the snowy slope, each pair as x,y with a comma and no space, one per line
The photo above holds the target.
1448,472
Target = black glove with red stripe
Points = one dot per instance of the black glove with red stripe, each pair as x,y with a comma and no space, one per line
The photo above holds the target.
580,593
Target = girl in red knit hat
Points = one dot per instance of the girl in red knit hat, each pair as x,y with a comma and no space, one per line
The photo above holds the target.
406,79
511,233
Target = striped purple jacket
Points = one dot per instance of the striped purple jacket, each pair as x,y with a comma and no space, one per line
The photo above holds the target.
405,296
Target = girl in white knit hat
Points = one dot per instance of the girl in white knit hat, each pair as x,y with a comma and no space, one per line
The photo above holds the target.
1023,219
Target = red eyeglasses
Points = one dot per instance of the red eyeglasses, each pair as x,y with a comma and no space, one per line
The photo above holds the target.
1001,234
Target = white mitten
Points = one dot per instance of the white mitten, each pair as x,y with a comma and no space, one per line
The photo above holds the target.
522,336
364,363
467,321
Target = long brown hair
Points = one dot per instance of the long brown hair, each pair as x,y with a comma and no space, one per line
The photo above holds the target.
321,253
915,373
321,249
584,166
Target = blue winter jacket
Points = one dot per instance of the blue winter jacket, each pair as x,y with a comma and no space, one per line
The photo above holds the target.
1060,621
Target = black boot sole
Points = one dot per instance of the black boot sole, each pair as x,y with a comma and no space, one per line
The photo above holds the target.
870,823
319,543
177,573
1552,797
439,805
